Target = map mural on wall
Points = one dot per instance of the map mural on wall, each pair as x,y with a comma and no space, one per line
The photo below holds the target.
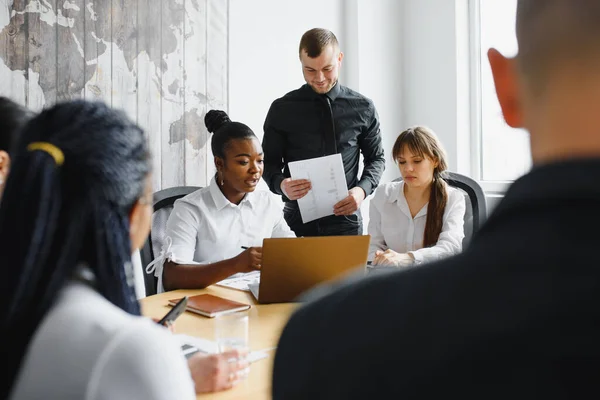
162,61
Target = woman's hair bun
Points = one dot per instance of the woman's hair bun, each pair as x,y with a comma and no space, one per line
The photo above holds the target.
215,119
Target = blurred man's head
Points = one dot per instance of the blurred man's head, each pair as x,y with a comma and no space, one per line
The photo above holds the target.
321,59
552,87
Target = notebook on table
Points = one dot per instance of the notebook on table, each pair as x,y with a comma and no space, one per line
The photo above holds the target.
291,266
211,306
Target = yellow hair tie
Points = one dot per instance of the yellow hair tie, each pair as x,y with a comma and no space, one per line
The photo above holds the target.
55,152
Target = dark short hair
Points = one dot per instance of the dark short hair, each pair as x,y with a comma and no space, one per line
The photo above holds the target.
315,40
13,117
224,131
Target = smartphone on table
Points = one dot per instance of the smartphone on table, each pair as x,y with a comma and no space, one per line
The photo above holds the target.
174,312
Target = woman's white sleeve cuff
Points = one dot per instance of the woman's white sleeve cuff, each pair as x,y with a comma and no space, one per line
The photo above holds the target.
417,256
167,253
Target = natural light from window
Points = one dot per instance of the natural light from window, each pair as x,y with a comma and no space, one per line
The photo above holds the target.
505,152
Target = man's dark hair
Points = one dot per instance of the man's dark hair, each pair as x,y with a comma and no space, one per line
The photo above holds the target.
315,40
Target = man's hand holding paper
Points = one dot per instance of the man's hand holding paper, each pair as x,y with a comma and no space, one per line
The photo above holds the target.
350,204
295,189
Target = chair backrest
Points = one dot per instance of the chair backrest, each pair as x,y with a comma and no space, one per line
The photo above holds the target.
163,205
476,211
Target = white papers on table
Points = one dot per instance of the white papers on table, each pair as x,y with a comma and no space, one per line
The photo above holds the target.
328,181
241,281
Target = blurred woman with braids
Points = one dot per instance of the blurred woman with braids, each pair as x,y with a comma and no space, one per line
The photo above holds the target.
420,218
208,229
12,118
77,201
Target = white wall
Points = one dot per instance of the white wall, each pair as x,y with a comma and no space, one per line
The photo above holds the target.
436,77
380,66
435,74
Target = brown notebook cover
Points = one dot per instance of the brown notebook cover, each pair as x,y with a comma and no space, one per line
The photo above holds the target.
211,306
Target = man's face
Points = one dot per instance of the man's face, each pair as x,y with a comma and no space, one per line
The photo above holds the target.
321,73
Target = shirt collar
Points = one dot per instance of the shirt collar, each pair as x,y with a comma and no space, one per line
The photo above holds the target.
221,201
398,196
333,94
395,195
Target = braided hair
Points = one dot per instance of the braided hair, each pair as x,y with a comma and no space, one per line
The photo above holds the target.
59,214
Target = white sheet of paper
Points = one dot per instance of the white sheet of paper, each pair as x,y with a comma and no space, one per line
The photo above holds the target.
328,181
241,281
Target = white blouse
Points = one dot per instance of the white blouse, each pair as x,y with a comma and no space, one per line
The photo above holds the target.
391,225
204,227
88,348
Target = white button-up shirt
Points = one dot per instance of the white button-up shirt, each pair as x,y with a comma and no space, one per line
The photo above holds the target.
391,225
204,227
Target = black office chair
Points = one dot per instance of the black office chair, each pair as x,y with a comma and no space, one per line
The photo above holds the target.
163,205
476,211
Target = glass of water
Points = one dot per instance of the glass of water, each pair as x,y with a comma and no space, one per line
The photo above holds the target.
231,332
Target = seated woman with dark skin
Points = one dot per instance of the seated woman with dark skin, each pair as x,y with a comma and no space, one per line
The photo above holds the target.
217,231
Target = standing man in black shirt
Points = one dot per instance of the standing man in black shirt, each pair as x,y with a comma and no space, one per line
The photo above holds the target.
319,119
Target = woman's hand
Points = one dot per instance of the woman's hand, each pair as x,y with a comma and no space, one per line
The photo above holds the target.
250,259
216,372
390,258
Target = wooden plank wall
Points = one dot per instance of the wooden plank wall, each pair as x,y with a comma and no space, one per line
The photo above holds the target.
164,62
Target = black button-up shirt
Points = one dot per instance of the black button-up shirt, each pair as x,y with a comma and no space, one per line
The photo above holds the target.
297,128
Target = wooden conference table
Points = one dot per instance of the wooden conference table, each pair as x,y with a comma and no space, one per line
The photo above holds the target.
264,328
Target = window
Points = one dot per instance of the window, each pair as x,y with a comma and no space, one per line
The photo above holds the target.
503,153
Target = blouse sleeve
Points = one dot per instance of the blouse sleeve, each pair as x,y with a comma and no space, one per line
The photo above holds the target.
182,228
450,240
275,214
281,228
180,240
374,229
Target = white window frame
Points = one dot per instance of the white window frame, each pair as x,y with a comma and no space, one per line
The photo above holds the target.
489,187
